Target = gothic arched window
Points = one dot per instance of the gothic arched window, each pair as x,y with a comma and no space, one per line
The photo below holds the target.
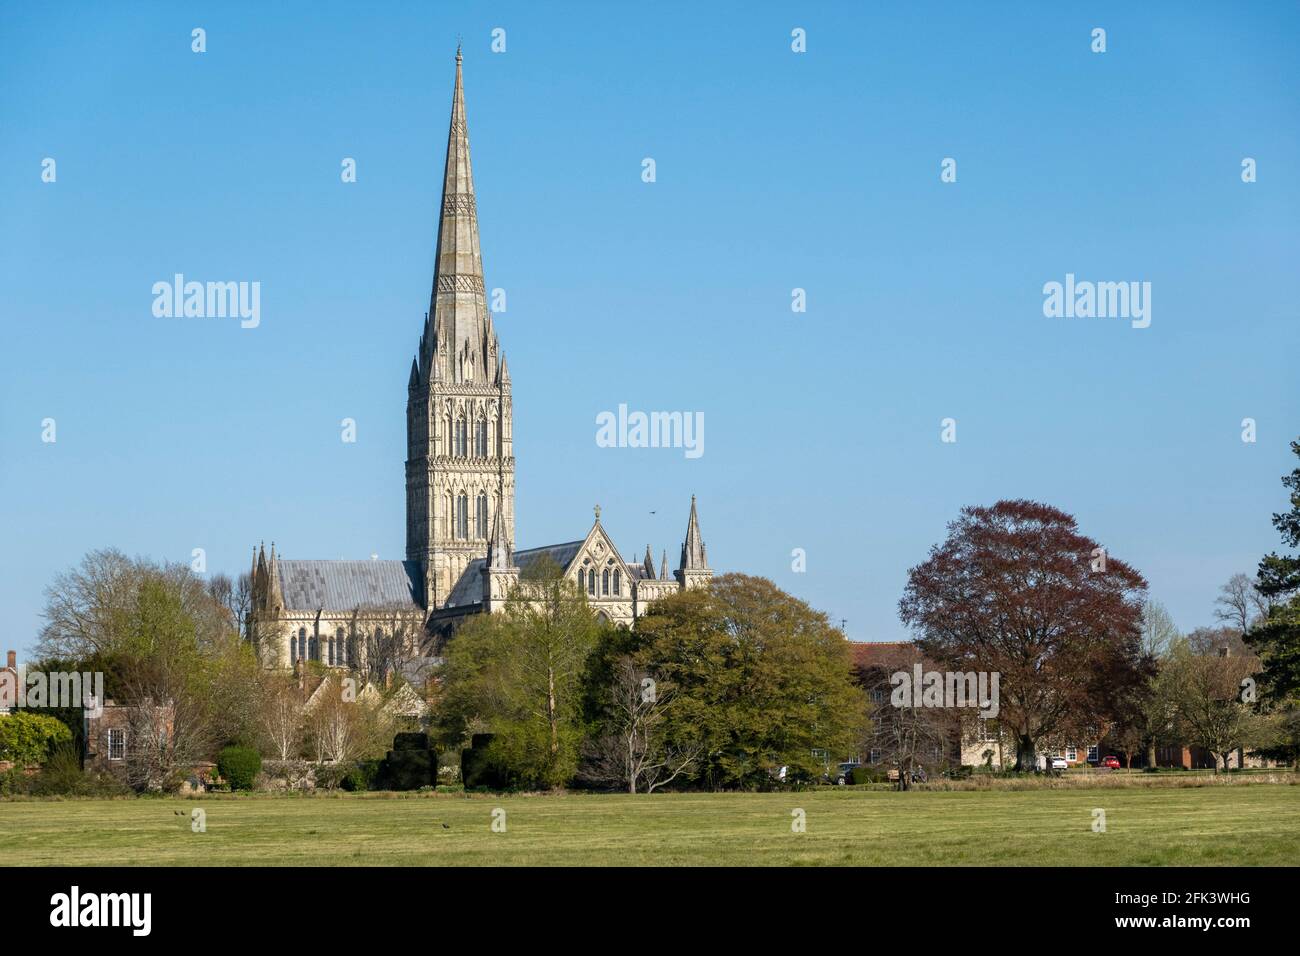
480,439
618,581
462,517
582,579
340,647
462,439
591,583
604,582
329,648
481,516
302,643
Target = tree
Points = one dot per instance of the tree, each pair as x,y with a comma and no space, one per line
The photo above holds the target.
1276,638
168,651
1240,603
280,716
760,681
1208,641
1207,690
383,637
1016,590
236,597
340,729
519,673
630,747
1158,629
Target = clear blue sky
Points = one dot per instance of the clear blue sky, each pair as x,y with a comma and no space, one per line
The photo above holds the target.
775,171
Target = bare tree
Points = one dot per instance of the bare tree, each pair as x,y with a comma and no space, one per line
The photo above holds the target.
912,738
341,729
383,637
1212,641
1158,629
908,737
634,752
236,597
86,605
280,716
1239,604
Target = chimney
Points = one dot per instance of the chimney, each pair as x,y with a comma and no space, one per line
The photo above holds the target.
12,663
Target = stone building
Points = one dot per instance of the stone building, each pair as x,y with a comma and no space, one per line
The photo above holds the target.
460,492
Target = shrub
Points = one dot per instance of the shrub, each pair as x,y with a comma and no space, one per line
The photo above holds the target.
239,766
869,775
62,776
330,776
354,780
28,739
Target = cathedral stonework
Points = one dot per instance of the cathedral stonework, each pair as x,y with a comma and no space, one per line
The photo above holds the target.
460,492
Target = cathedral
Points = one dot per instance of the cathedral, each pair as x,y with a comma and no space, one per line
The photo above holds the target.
460,494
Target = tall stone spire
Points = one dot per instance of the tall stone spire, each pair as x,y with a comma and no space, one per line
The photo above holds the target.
693,547
460,466
693,570
459,343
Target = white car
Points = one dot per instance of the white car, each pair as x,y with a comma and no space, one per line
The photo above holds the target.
1058,763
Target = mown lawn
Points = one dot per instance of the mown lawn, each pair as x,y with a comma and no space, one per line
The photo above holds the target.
1246,825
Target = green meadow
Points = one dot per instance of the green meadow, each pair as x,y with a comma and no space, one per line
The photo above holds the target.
1197,826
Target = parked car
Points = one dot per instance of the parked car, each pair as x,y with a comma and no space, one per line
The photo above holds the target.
1058,763
1110,762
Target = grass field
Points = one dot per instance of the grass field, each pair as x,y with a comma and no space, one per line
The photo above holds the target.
1255,825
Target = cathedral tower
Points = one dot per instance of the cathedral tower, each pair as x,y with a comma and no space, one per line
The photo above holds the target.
460,466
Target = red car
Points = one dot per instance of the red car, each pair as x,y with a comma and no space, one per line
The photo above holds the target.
1110,763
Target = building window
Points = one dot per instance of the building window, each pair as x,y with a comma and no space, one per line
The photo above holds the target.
462,517
1092,754
591,583
302,643
582,579
329,646
480,439
604,582
618,581
873,756
116,743
462,439
1071,754
481,516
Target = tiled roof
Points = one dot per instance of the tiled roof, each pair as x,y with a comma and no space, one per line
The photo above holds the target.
883,653
469,589
561,554
345,585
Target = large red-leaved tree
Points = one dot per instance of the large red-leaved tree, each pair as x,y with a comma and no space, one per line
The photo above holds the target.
1015,589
